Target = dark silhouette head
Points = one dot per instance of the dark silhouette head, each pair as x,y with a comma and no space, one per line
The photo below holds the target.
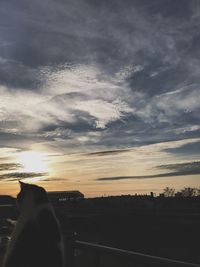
31,195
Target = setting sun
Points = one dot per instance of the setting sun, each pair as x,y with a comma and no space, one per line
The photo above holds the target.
33,161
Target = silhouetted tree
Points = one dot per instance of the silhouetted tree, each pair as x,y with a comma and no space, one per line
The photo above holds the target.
169,192
198,191
189,192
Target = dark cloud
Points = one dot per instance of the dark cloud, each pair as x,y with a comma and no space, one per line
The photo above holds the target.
16,75
53,179
187,149
20,175
20,141
179,169
9,166
158,40
107,153
94,32
161,77
187,167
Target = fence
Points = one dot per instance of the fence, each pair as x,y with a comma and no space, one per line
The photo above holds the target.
96,253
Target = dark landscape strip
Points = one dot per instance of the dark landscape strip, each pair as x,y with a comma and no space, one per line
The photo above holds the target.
135,256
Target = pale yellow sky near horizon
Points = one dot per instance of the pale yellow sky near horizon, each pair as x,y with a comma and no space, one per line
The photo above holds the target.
80,171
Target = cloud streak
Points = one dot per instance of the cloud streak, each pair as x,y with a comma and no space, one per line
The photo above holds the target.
20,175
9,166
107,153
180,169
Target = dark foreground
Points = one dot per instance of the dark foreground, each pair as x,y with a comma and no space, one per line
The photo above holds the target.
164,227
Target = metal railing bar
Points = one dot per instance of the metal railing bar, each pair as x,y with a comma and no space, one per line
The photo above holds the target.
139,257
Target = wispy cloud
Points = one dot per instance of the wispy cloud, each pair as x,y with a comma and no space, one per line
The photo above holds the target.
187,149
20,175
106,152
185,167
181,169
9,166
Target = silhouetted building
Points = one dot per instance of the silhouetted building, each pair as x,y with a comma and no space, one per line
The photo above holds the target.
63,196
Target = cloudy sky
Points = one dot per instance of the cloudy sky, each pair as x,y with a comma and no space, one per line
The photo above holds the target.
100,96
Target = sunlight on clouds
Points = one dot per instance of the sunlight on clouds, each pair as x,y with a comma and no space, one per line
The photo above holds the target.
70,78
103,111
100,96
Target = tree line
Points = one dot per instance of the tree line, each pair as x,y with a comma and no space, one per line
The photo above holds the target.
185,192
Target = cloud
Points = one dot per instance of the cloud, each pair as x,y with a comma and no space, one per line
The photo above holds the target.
33,111
187,149
9,166
179,169
166,145
17,76
20,175
182,167
128,71
53,179
107,152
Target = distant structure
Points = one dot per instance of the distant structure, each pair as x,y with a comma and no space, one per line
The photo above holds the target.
152,194
64,196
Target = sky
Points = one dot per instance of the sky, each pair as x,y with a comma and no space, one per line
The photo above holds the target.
100,96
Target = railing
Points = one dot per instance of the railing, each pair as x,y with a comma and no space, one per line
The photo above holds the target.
135,258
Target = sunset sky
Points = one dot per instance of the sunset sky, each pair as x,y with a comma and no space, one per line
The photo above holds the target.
100,96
